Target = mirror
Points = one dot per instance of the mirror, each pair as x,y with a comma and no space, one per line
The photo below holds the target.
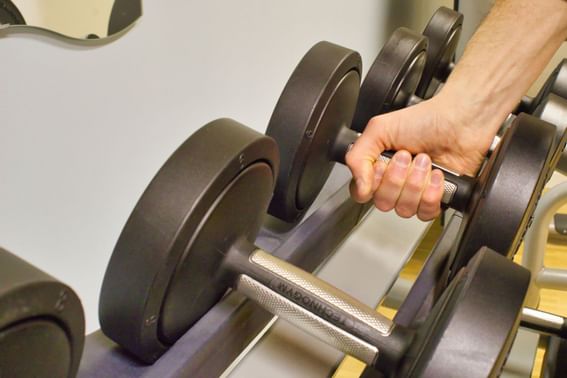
78,19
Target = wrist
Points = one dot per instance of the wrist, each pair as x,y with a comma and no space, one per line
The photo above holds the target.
474,109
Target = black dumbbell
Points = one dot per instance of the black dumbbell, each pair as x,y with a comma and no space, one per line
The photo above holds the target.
442,32
311,126
190,238
42,326
426,290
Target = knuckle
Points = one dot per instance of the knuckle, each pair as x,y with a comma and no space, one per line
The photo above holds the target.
424,217
413,185
428,214
350,159
430,198
373,123
393,181
404,211
383,204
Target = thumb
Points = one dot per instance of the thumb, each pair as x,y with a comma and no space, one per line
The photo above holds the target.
362,158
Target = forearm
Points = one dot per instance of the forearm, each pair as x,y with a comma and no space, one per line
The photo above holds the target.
504,57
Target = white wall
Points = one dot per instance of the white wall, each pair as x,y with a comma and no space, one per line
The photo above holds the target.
84,129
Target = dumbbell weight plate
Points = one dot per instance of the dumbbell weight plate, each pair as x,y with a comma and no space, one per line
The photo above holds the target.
443,32
221,178
9,14
507,191
556,83
34,348
41,322
472,326
388,87
560,84
318,99
553,109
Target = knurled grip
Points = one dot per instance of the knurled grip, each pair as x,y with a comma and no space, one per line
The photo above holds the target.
324,299
306,320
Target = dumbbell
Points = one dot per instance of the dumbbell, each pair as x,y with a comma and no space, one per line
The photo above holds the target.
311,126
42,326
442,32
190,238
426,290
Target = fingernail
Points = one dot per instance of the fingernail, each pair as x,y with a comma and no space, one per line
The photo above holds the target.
422,162
402,159
436,178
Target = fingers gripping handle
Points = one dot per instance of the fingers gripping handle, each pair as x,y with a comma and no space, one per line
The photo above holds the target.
317,307
457,189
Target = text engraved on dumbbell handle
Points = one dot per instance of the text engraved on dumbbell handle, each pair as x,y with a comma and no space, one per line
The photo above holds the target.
323,298
306,320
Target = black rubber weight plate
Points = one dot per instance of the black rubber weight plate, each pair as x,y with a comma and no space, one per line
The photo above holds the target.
393,77
556,83
507,191
42,325
318,99
560,85
443,32
553,109
9,14
35,348
162,274
472,326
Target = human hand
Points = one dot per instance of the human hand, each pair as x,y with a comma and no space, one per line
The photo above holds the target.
438,130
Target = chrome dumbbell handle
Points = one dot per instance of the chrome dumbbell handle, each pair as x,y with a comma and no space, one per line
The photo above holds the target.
314,306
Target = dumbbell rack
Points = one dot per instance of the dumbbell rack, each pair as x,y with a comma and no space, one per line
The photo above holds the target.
211,346
544,277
